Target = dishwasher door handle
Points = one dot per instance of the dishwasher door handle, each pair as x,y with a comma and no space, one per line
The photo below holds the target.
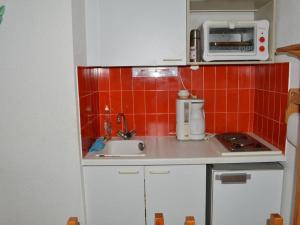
233,178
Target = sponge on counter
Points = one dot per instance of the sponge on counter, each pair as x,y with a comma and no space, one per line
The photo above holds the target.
98,145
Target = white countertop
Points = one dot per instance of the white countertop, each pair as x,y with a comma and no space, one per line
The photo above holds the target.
168,150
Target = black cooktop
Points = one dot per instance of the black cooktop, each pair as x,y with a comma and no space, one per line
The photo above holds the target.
241,142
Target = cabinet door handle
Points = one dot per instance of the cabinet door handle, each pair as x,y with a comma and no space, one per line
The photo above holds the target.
172,60
160,172
233,178
128,172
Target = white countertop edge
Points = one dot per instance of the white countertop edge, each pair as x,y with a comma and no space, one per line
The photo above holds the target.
182,161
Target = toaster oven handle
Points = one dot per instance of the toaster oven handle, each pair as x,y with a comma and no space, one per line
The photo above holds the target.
233,178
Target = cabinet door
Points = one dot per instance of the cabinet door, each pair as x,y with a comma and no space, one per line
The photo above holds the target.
114,195
249,201
177,192
136,32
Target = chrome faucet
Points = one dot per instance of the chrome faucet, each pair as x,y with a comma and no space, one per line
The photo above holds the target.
124,134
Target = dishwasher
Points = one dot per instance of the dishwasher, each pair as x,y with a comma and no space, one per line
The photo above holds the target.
243,194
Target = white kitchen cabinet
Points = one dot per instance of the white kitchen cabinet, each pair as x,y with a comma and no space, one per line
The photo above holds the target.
176,191
114,195
136,32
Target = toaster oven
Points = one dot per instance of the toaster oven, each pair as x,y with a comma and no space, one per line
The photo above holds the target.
235,40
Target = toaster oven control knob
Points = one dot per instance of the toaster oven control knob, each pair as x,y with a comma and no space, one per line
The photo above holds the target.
262,39
262,48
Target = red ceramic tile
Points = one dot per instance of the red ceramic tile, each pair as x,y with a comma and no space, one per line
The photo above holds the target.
209,97
140,125
172,101
220,122
277,107
252,100
259,125
86,105
252,78
115,79
272,77
94,79
244,77
150,83
232,122
186,77
209,77
162,83
151,122
197,79
264,127
232,77
95,103
278,69
116,102
199,93
127,102
162,125
103,101
266,78
232,100
265,102
260,77
270,130
255,123
221,77
87,81
139,102
103,81
172,124
138,83
150,98
162,101
275,134
126,78
221,101
271,106
244,100
243,122
285,78
173,83
251,122
283,106
210,122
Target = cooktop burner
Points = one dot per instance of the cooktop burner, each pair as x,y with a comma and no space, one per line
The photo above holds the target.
240,142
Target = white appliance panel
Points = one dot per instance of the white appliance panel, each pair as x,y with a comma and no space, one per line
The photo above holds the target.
246,203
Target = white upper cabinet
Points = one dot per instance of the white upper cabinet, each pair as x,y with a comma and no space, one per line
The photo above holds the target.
136,32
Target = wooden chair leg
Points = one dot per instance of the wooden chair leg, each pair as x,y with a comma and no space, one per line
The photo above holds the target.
73,221
276,219
159,219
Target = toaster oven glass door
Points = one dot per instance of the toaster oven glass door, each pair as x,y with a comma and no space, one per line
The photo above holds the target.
232,40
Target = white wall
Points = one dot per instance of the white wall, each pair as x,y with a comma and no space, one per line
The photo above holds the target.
40,176
288,32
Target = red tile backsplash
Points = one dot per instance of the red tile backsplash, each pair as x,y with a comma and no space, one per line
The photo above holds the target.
271,93
237,98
